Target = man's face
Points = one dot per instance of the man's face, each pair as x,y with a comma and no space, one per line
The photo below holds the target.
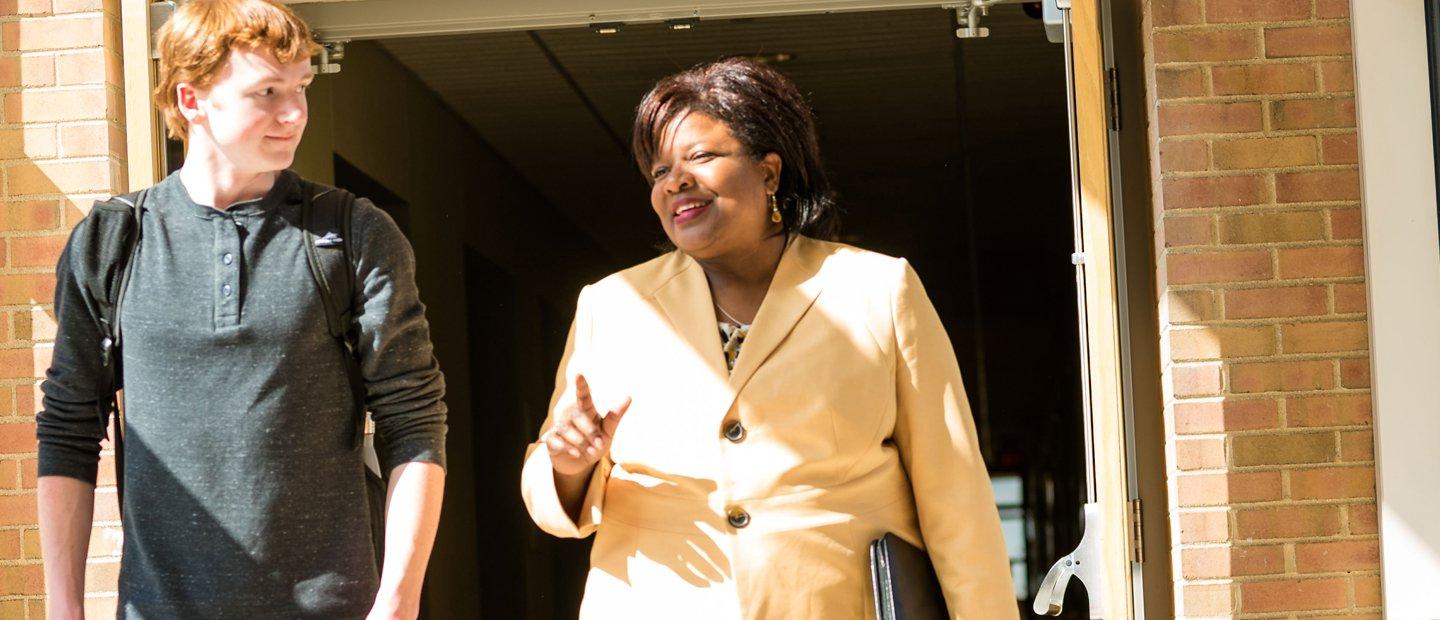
255,111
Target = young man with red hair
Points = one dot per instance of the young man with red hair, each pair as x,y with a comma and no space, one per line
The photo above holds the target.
244,494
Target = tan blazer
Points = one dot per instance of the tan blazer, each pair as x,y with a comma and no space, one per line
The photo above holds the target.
855,423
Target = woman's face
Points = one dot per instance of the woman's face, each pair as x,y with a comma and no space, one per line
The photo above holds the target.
711,195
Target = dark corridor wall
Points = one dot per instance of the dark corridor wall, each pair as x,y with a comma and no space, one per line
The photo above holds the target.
498,269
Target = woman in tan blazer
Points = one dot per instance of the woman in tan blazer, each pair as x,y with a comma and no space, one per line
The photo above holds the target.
736,420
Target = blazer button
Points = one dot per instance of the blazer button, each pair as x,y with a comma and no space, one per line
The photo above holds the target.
735,431
738,518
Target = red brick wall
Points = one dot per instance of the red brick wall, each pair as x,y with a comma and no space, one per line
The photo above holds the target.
1262,270
61,146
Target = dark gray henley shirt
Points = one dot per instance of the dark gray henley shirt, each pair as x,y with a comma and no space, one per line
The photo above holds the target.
244,491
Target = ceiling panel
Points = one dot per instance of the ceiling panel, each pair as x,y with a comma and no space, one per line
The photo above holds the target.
504,85
558,104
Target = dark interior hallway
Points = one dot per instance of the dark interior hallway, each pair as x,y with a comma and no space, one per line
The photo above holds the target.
951,153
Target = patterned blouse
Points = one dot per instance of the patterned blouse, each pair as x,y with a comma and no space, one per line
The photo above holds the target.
734,337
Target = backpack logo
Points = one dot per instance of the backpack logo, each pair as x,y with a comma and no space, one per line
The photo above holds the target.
330,240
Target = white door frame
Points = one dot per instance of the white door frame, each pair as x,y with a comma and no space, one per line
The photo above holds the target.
1402,255
1108,423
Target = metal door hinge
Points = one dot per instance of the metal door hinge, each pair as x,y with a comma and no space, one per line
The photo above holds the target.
1112,78
328,60
1137,532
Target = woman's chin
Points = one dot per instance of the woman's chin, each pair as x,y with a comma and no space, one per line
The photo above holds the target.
696,243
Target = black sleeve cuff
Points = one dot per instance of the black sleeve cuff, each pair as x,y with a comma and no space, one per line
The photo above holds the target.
428,448
68,462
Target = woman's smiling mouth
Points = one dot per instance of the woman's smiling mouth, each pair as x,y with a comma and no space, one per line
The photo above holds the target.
690,210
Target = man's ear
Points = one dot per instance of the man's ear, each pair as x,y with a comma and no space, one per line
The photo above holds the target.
771,165
187,98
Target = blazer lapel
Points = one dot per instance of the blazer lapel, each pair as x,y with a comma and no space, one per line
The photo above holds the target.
792,291
685,298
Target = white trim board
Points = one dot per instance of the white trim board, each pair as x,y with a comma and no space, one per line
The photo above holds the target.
1402,251
378,19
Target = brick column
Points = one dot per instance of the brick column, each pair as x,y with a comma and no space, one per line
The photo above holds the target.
61,146
1263,312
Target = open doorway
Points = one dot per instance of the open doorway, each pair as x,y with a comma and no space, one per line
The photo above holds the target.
510,151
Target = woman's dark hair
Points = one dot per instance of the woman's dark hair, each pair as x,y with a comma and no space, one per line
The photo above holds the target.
767,114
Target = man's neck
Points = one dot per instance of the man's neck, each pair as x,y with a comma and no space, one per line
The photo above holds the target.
214,181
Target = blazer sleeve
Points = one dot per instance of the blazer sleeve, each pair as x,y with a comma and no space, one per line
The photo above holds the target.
935,436
537,478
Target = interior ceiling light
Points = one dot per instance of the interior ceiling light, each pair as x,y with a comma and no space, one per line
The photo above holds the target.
772,58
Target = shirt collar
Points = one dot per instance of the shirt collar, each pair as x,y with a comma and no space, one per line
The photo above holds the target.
172,191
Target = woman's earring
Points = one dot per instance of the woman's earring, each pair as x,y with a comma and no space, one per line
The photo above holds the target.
775,210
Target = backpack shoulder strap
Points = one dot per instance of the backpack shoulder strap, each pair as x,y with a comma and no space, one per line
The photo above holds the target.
105,249
325,218
136,203
325,215
102,249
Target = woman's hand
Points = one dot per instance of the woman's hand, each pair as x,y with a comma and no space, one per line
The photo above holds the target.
581,436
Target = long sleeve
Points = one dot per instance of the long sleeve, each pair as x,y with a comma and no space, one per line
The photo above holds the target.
935,434
68,426
404,388
537,479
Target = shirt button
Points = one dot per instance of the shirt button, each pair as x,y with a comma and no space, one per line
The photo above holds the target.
738,518
238,223
225,290
735,431
227,258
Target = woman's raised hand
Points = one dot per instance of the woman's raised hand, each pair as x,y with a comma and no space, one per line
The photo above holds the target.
581,435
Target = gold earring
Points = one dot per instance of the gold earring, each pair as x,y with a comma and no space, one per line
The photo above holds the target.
775,210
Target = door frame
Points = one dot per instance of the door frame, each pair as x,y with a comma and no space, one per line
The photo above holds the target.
144,130
1105,331
1402,275
1109,271
1132,149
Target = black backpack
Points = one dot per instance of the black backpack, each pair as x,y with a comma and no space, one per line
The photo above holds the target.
108,245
